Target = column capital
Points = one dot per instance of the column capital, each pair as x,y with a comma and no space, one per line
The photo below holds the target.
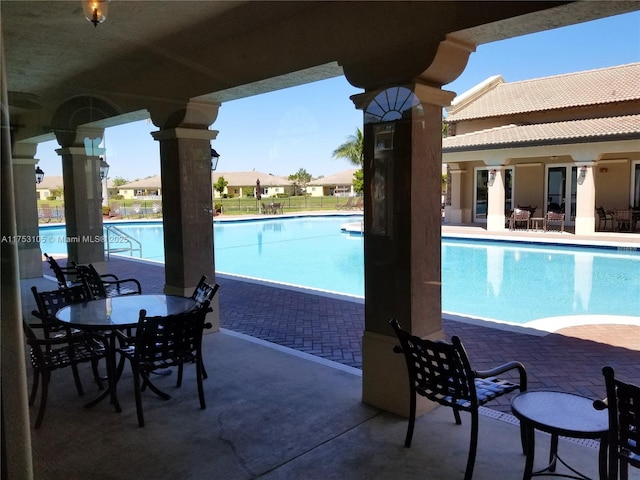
24,151
189,114
183,132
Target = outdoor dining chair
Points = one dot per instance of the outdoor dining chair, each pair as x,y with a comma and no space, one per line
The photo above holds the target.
54,353
604,216
553,218
623,406
106,285
520,219
203,295
62,274
441,372
162,342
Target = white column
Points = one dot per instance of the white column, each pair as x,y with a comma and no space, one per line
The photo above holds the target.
585,221
495,202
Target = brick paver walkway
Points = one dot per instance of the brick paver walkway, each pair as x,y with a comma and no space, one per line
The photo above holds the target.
570,360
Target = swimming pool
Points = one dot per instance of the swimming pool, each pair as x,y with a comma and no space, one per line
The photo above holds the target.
496,280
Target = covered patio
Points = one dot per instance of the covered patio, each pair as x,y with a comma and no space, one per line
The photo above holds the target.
274,412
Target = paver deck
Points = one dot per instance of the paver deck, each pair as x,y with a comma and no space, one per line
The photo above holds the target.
569,359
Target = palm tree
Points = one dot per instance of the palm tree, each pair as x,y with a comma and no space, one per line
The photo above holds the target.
352,149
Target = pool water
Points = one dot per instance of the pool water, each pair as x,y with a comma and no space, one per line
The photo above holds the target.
508,282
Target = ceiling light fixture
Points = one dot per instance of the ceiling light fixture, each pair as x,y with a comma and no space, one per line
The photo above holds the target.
95,10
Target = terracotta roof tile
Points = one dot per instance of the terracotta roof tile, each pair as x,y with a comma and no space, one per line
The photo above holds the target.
554,132
592,87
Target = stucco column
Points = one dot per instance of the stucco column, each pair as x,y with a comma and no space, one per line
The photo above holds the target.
24,185
83,199
453,212
17,463
495,201
585,221
185,161
402,172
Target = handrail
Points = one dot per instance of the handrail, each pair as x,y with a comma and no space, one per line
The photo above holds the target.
123,239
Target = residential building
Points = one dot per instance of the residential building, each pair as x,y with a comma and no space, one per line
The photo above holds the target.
149,188
243,184
339,185
567,143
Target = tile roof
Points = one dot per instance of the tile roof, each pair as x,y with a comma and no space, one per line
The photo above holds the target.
249,178
149,182
573,131
592,87
341,178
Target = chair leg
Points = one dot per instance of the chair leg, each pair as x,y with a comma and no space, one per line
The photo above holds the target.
179,381
34,387
412,420
456,415
76,378
96,374
203,405
138,396
473,446
624,470
46,376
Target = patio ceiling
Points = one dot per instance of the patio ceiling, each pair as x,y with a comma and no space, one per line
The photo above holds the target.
167,52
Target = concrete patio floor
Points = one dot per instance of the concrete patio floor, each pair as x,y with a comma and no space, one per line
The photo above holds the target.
271,414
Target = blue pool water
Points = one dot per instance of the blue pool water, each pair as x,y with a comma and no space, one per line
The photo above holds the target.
509,282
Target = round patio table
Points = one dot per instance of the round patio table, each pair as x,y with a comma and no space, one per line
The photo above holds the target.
560,413
118,313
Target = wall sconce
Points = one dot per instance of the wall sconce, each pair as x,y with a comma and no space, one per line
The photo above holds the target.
104,169
583,174
215,156
492,176
39,175
95,10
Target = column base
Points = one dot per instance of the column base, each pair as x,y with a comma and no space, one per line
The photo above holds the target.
384,376
30,263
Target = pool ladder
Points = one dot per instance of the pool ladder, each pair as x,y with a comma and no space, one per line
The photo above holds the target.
126,243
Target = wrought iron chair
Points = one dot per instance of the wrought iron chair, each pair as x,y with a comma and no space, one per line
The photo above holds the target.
48,303
203,293
62,274
623,405
107,285
49,354
162,342
441,372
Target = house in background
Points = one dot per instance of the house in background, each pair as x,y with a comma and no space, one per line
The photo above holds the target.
339,185
243,184
146,189
48,184
567,143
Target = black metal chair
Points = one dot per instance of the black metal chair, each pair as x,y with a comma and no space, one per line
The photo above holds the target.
441,372
162,342
623,405
48,303
54,353
62,274
204,291
106,285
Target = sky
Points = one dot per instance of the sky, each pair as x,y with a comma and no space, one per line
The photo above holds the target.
300,127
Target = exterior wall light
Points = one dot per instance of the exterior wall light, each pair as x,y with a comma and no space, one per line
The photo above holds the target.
492,176
39,175
95,10
583,174
104,169
214,159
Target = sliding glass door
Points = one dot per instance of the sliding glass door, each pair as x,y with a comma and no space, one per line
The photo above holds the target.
481,193
561,186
